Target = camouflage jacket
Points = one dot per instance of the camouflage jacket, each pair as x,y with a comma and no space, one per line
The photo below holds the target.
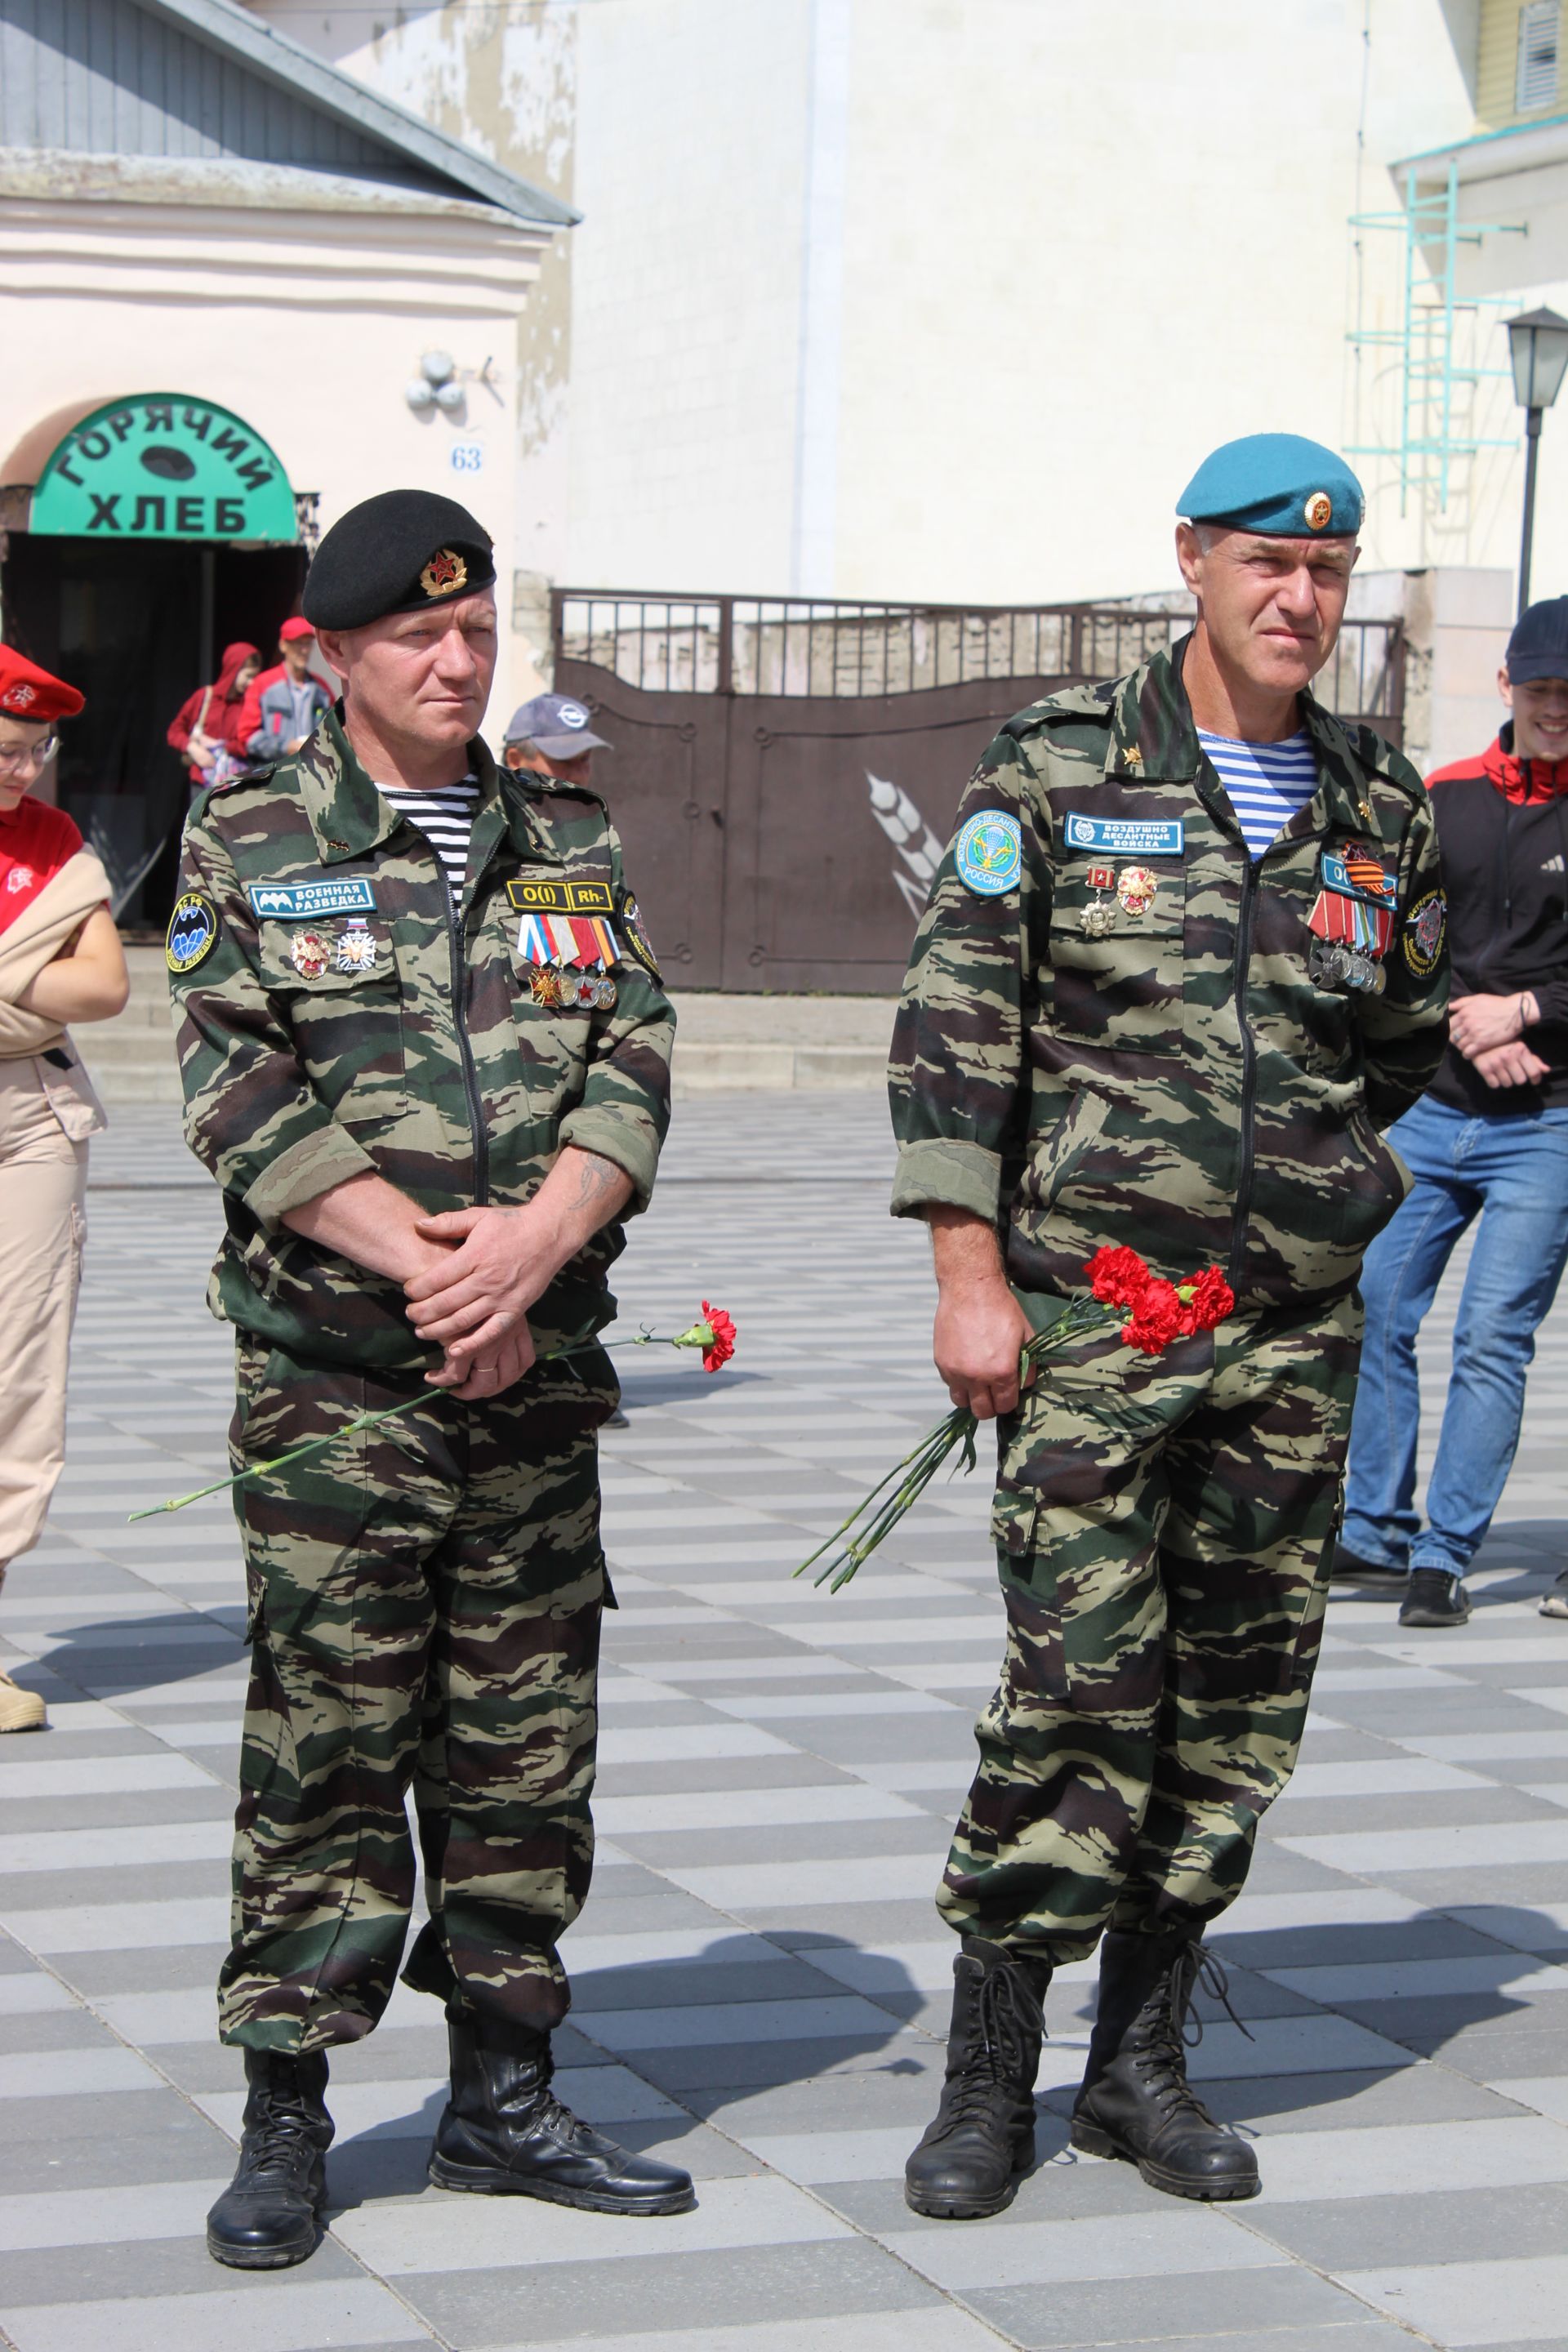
336,1013
1167,1073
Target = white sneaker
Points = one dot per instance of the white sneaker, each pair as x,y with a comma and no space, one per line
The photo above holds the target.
23,1711
1554,1604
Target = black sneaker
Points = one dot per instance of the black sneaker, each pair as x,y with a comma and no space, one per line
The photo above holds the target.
1555,1601
1436,1597
1347,1569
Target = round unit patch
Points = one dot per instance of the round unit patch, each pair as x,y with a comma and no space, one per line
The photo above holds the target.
1424,928
193,932
988,854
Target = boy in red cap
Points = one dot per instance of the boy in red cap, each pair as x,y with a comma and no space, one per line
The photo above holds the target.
60,959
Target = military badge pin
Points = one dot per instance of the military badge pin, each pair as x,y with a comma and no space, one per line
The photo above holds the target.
310,953
547,987
357,949
1135,888
1098,915
444,573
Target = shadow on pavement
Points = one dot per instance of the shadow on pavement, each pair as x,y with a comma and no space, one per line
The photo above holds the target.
651,2113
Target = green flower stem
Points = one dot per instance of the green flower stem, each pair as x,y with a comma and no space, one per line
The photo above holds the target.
262,1469
699,1336
873,1520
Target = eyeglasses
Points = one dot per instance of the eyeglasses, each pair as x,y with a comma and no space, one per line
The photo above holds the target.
28,755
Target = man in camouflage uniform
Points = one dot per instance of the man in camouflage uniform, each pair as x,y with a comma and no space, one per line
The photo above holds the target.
1133,1017
429,1085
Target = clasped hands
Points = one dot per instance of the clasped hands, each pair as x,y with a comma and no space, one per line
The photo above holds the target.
1489,1030
471,1298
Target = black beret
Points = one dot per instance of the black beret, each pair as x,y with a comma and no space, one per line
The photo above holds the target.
399,552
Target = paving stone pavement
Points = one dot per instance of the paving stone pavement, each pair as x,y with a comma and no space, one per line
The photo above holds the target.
761,1979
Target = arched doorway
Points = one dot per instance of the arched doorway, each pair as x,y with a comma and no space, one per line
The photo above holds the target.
160,528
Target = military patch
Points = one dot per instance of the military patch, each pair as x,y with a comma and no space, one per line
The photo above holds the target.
1126,837
552,898
1423,928
1319,510
636,937
1356,874
310,953
193,932
989,853
310,902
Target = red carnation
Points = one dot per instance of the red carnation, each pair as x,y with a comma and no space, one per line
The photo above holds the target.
1117,1277
723,1344
1158,1317
1209,1298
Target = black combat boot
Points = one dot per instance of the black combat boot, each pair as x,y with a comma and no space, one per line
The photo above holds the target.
270,2213
983,2141
1135,2101
504,2135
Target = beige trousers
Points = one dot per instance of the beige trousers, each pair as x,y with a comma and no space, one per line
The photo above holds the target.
43,1188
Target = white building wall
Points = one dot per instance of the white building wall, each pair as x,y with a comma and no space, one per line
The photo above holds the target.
947,297
304,314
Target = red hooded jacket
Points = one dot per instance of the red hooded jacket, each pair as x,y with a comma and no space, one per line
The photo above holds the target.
1503,827
224,706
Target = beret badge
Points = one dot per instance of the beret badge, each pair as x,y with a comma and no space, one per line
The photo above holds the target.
1319,510
18,696
445,571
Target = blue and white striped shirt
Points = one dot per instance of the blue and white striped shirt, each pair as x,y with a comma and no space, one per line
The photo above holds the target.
1265,783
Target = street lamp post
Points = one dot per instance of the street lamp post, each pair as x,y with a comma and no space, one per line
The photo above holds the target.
1538,348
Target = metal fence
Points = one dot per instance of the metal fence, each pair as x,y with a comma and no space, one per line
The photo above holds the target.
808,647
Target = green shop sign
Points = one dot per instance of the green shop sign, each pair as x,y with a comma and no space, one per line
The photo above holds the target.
161,466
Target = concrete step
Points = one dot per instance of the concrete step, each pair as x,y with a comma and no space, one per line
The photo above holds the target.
725,1045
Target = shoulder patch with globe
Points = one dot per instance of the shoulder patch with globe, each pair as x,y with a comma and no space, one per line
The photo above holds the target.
989,854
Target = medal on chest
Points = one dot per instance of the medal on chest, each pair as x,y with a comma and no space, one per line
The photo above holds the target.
1098,917
1353,920
565,938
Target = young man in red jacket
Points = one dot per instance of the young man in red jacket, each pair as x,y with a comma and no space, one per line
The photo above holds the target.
1490,1138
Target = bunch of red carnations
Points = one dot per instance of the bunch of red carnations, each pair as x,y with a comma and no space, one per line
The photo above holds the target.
1152,1313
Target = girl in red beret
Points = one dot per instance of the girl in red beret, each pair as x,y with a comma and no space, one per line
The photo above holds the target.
60,960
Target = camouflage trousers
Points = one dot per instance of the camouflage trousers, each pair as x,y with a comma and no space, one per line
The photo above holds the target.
1163,1531
425,1605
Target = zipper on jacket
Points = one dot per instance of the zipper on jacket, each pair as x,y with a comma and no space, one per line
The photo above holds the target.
481,1141
1248,1075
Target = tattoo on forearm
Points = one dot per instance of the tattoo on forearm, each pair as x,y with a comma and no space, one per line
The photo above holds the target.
596,1176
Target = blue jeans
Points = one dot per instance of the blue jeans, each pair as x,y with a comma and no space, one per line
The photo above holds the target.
1512,1168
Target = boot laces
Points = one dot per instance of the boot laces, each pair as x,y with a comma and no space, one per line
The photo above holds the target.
1175,2027
284,2146
1006,2011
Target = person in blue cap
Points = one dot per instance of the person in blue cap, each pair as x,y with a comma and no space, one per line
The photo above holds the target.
1489,1141
1182,961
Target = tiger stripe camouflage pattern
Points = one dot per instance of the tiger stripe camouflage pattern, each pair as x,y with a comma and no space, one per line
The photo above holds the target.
425,1597
430,1063
1166,1074
424,1603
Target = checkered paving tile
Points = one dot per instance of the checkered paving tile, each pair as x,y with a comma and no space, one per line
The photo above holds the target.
760,1980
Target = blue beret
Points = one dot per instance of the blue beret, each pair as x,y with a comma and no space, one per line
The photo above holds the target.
1275,482
398,552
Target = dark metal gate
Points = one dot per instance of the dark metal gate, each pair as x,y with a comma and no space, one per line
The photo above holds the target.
785,772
